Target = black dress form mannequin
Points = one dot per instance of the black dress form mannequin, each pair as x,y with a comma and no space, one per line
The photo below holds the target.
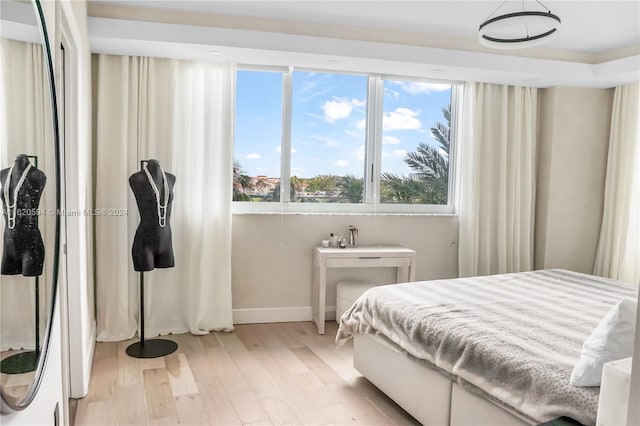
23,251
152,247
21,188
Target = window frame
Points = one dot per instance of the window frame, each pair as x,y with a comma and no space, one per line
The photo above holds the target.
373,152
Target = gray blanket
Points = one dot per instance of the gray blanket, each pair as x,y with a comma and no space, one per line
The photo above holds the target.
513,338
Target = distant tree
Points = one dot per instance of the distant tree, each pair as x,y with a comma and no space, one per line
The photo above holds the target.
429,182
262,185
241,182
323,183
296,182
275,194
351,189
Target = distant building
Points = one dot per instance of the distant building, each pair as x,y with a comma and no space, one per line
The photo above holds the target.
262,185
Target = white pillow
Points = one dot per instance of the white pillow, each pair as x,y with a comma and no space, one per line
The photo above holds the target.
611,340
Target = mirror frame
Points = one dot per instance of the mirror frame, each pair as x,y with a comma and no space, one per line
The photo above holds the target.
7,403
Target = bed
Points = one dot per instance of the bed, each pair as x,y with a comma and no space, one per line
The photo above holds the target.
484,350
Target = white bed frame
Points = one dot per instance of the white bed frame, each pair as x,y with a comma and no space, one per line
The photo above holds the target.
428,395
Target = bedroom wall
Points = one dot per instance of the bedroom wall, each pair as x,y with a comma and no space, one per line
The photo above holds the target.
573,141
272,255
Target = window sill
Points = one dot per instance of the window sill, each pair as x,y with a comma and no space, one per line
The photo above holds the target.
341,209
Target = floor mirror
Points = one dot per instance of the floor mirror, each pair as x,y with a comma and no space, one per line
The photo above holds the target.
30,198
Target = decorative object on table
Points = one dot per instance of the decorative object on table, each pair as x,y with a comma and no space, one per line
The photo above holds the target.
333,240
519,29
353,236
342,242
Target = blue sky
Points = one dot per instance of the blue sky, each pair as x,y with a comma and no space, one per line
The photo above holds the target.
328,122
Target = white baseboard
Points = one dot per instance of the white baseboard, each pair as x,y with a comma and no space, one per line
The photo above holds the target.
265,315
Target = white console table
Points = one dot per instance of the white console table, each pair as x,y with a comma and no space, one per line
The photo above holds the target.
401,258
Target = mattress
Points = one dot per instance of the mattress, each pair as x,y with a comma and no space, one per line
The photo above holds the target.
512,338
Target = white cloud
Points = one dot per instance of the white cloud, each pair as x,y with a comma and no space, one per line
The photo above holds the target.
394,153
316,116
359,153
335,110
390,140
415,88
360,124
394,93
279,149
329,142
401,119
341,163
359,134
358,102
253,156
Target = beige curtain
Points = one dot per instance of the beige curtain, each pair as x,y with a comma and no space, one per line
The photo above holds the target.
26,128
497,157
180,113
618,254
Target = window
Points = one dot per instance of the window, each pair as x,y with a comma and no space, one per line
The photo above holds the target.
342,143
327,137
415,142
258,136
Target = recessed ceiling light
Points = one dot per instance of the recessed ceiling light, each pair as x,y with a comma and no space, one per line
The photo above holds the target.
214,53
437,70
332,61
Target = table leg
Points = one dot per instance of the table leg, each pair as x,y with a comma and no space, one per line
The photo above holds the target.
405,274
402,274
322,297
412,269
319,292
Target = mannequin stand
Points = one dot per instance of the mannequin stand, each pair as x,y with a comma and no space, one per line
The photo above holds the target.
152,348
24,362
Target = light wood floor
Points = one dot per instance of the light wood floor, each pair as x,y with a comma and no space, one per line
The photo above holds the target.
261,374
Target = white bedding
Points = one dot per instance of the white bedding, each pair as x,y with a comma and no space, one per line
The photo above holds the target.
513,338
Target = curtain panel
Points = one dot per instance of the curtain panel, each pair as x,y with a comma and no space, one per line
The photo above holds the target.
497,159
180,113
618,254
25,128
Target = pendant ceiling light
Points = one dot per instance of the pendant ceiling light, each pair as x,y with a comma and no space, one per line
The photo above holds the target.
518,29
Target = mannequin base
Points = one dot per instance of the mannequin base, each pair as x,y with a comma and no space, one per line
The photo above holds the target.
23,362
152,348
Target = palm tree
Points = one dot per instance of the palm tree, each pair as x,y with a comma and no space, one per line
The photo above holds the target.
241,182
351,189
429,182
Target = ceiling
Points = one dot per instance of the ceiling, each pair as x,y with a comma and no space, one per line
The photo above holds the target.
587,26
598,44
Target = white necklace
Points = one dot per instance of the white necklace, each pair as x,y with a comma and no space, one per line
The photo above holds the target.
162,208
11,208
